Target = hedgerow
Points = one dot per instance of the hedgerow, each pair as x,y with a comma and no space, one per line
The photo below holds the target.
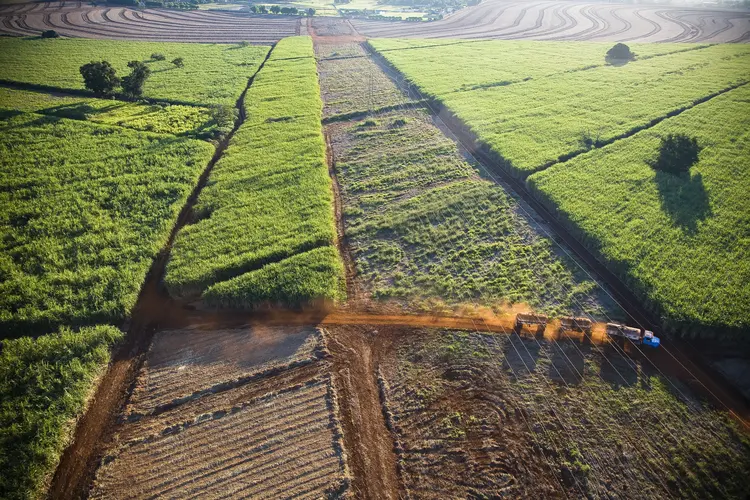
269,197
212,73
45,384
83,211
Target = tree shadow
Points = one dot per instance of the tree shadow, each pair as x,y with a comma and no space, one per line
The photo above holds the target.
617,62
684,198
81,111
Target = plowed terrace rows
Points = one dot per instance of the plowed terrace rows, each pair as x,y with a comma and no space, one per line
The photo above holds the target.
491,19
574,21
121,23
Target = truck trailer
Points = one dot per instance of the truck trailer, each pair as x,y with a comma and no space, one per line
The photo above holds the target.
635,335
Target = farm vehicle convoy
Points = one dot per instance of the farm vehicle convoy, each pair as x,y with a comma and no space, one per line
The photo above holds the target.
585,325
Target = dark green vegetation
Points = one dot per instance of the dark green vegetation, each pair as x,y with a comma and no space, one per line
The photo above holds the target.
680,240
563,415
424,227
675,240
84,209
45,384
212,74
268,199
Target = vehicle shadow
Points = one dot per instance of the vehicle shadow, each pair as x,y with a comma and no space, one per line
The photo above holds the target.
684,199
567,362
520,355
618,370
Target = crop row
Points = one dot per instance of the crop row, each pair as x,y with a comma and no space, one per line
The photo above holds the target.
532,124
679,241
439,67
280,444
212,74
159,118
266,231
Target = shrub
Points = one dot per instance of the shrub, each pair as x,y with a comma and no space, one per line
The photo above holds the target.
157,56
178,62
50,34
620,52
677,153
310,12
132,84
100,77
275,9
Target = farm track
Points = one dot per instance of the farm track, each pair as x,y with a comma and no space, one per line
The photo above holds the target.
78,462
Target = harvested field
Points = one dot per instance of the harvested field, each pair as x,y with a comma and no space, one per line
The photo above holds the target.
500,19
74,19
518,417
186,364
282,444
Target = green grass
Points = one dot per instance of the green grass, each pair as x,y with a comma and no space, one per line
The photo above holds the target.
533,123
84,208
680,242
269,198
163,119
423,226
45,385
438,67
213,74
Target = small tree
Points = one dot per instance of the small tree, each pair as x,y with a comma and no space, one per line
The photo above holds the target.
254,9
157,57
262,9
275,9
224,117
178,62
132,84
100,77
620,52
50,34
677,153
310,12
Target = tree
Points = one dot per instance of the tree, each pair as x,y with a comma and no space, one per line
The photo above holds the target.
620,52
100,77
254,9
310,12
677,153
178,62
50,34
157,57
275,9
132,84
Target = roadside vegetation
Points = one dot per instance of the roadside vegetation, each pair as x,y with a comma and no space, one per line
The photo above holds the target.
675,237
595,137
210,74
268,200
45,384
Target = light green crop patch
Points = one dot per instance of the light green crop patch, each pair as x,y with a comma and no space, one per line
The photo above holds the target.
269,198
212,73
45,384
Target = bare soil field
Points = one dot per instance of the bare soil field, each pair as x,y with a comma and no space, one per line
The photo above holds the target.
260,420
478,415
499,19
76,19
